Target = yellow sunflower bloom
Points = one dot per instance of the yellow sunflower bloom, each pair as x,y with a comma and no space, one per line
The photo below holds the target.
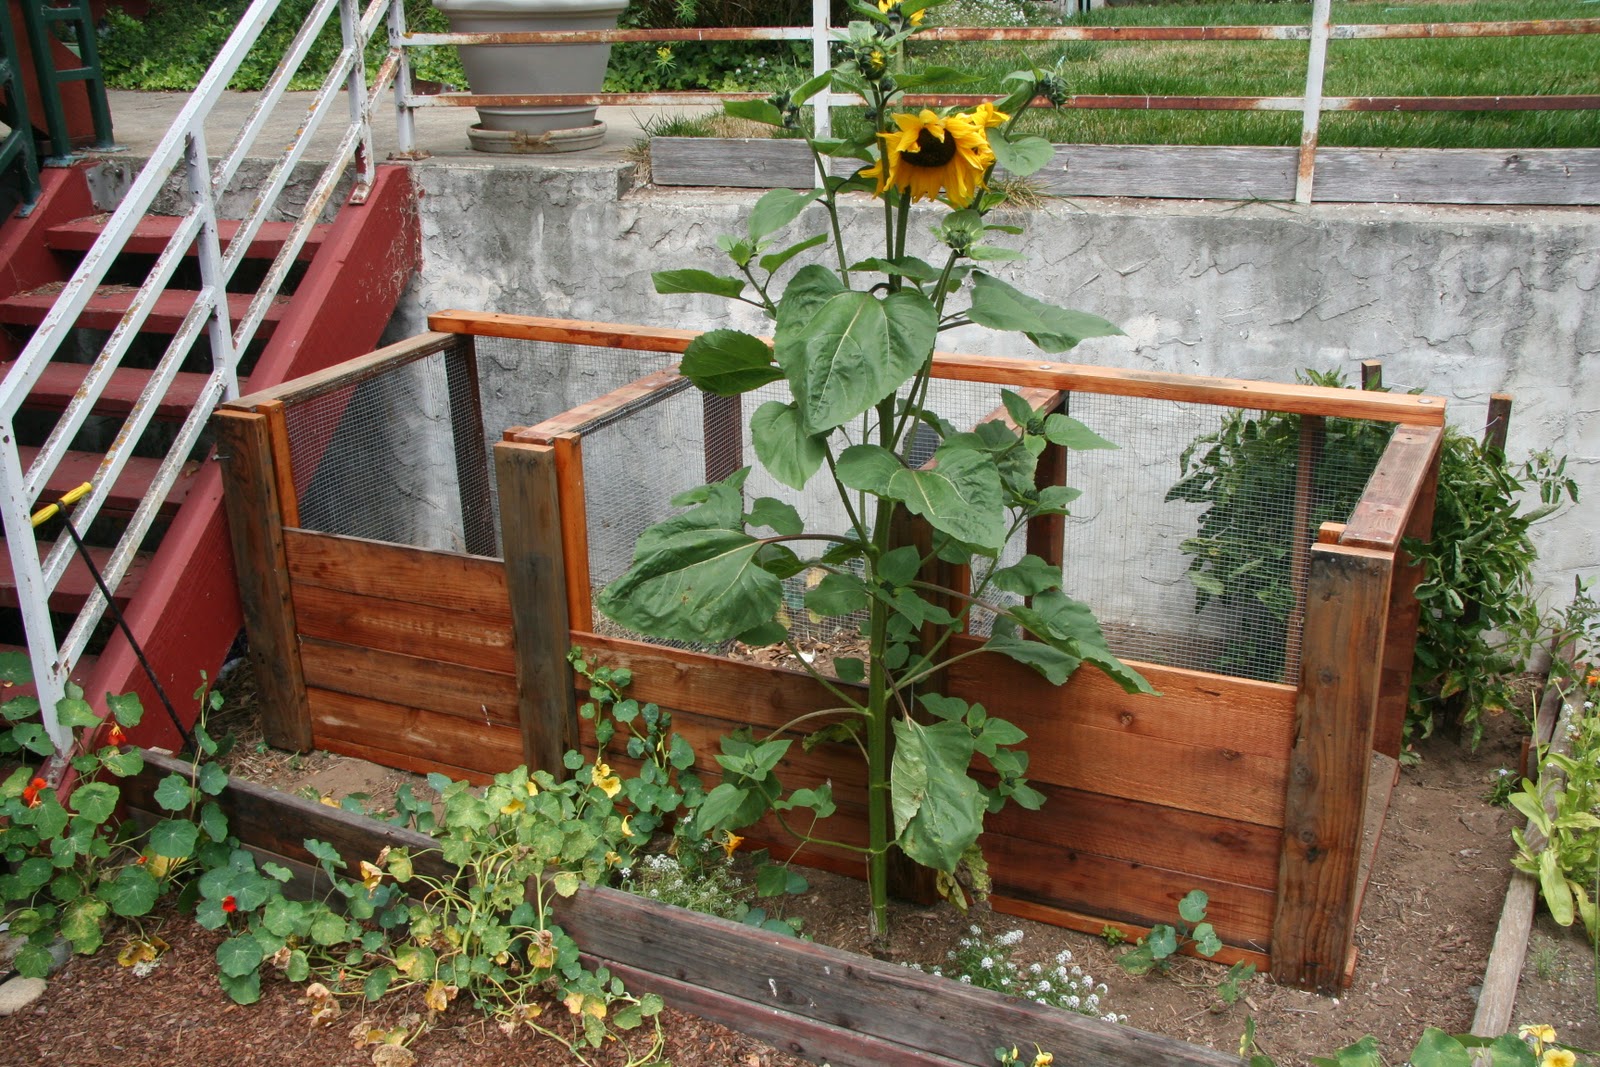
887,6
929,153
988,116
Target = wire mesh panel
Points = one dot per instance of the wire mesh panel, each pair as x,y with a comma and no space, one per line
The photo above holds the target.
403,457
378,459
1190,541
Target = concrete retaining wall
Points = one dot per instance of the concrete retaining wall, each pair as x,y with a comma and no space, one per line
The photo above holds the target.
1463,302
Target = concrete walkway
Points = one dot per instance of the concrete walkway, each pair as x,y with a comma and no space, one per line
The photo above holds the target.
140,120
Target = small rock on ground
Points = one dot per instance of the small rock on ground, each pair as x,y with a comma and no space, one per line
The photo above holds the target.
19,993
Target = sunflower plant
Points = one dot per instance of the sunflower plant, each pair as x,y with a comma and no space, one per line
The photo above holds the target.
854,342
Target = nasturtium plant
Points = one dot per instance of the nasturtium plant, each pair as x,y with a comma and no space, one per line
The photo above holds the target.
854,341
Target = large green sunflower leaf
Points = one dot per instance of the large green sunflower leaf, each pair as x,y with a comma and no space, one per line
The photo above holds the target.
696,281
1021,156
777,209
783,446
755,110
1002,307
843,351
696,585
960,496
938,810
728,363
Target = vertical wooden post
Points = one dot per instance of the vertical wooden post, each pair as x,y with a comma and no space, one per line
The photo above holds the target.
1495,427
574,532
282,461
1341,661
1047,535
255,526
722,424
1372,374
1400,644
530,539
472,456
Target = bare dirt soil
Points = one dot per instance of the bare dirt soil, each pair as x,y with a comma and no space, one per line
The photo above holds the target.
1429,917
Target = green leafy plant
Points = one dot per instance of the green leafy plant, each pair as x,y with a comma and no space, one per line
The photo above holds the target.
1155,950
1477,594
1563,804
71,870
1531,1046
854,344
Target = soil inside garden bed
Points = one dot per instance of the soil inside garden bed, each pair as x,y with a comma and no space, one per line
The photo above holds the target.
1429,917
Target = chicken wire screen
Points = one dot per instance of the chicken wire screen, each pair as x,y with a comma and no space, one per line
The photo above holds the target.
1189,540
404,457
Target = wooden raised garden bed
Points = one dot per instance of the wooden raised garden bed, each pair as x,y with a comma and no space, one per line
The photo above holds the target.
1261,793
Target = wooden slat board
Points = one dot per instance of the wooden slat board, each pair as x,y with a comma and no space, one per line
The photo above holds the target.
1134,832
1023,869
1458,175
397,572
473,635
412,738
1179,172
883,1001
447,688
1199,172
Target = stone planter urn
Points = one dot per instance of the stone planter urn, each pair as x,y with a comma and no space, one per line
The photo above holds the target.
534,68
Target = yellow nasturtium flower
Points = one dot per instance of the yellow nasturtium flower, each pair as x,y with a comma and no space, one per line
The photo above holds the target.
731,842
1558,1057
930,152
602,777
1541,1033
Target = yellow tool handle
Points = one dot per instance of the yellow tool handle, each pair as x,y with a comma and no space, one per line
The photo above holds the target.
45,514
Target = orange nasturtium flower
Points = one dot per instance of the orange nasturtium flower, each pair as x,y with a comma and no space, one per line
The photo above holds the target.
930,152
115,736
731,842
31,791
230,905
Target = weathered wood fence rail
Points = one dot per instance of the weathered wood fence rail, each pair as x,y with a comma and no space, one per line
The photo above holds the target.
1257,792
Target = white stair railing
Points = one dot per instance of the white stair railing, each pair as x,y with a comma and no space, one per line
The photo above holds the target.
183,148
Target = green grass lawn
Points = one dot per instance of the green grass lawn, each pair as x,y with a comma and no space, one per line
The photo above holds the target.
1462,67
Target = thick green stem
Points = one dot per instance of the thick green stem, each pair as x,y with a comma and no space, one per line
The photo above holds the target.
879,829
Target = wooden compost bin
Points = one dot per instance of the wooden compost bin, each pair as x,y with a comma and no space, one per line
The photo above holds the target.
1262,794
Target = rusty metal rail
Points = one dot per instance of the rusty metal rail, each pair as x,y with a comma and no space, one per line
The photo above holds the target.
1312,104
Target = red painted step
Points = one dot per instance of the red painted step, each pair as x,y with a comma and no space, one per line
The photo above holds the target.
152,233
60,382
76,468
111,302
77,583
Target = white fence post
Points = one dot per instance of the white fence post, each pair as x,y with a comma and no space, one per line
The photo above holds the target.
1316,65
821,30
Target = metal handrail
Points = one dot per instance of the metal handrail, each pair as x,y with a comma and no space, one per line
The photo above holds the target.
184,146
